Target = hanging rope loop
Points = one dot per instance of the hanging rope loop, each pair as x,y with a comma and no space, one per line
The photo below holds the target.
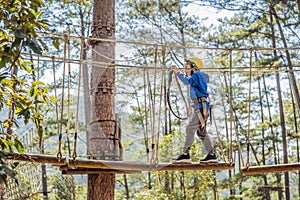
169,93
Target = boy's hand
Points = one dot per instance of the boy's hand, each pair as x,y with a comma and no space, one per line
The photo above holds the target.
175,69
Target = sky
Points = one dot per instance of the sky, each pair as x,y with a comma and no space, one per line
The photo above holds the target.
210,13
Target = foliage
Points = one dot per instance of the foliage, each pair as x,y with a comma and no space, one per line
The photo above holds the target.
21,93
168,23
69,189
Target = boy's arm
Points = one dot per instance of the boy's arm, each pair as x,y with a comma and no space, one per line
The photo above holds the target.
180,75
183,78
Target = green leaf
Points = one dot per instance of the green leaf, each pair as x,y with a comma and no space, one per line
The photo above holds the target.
32,92
34,83
10,145
55,42
19,146
3,144
39,102
25,66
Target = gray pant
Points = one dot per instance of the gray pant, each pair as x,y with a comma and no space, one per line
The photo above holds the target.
194,126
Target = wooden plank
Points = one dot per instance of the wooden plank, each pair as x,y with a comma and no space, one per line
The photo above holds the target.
38,158
138,166
265,169
114,165
95,171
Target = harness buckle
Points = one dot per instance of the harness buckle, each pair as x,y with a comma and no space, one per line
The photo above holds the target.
202,99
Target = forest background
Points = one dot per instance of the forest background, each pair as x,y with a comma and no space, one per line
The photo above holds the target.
260,35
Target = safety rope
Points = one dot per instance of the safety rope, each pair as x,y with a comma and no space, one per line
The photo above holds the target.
74,155
249,106
146,116
59,154
150,103
153,136
218,134
160,109
181,94
231,109
55,93
69,93
100,64
170,46
237,137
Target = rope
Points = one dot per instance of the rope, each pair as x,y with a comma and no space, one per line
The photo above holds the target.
231,111
59,154
249,105
78,100
169,93
169,46
150,108
146,116
99,64
153,137
55,93
69,92
236,128
159,114
219,138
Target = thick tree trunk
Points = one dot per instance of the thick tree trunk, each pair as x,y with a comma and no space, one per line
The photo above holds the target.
103,141
102,186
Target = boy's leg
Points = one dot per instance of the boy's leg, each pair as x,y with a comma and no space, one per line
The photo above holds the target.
191,128
202,134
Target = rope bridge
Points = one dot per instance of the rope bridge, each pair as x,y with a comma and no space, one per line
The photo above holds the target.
71,164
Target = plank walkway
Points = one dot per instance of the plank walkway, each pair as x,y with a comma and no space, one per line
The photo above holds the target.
87,166
265,169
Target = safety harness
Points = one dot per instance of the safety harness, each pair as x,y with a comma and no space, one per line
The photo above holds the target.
202,118
202,100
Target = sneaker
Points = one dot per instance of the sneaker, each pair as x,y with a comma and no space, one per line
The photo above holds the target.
210,158
183,158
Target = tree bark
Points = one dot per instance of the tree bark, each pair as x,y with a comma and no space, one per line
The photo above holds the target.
103,141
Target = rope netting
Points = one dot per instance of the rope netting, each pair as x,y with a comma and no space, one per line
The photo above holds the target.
141,81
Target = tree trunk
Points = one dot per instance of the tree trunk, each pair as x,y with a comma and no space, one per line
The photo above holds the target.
278,178
292,77
281,112
103,141
263,135
126,187
297,139
101,186
44,172
225,111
